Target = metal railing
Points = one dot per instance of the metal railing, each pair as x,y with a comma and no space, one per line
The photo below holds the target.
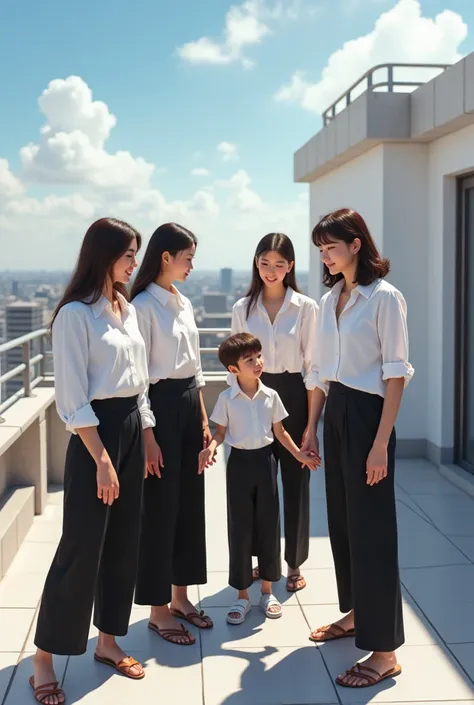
389,83
28,362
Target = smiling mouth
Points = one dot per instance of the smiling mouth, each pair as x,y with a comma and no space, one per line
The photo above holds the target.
129,272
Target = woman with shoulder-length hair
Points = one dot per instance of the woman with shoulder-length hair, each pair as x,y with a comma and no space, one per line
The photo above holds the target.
101,379
362,368
172,552
284,320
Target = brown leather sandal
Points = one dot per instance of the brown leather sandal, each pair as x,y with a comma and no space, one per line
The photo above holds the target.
368,674
174,635
194,618
332,632
124,666
46,690
295,583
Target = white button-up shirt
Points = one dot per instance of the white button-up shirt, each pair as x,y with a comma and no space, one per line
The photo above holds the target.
288,345
248,421
97,356
166,321
369,343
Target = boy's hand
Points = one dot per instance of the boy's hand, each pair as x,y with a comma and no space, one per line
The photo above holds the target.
207,457
309,459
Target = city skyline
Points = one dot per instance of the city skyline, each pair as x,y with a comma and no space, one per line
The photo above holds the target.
198,126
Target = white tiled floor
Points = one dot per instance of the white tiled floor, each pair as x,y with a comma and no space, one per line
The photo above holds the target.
273,662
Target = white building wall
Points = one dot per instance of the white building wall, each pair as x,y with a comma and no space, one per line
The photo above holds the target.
405,243
357,185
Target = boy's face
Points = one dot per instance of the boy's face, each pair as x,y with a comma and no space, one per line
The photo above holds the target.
250,366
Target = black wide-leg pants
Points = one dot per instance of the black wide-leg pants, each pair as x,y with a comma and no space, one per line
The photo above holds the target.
253,516
295,480
362,519
173,532
97,556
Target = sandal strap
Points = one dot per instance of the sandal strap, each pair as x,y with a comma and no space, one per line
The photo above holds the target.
239,606
128,662
180,632
269,600
358,672
330,629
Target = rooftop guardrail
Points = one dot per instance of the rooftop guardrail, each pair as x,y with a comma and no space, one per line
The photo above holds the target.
371,85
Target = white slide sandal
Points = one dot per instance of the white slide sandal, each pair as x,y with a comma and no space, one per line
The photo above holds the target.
241,607
268,601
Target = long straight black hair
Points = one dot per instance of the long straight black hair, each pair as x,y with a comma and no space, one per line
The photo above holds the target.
104,243
273,242
170,237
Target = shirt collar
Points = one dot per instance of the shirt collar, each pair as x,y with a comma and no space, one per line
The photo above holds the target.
291,297
163,296
101,304
235,389
366,291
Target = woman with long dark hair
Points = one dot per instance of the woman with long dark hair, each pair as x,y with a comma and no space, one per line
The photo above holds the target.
173,544
284,320
101,379
362,367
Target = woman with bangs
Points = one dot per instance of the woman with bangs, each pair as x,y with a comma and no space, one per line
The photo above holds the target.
361,365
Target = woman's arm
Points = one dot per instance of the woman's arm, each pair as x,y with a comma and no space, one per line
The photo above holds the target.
206,433
377,462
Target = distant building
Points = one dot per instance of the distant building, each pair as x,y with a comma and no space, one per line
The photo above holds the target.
22,317
216,320
215,302
226,280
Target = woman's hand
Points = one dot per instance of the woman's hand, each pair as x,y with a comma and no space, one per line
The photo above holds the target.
107,481
206,436
207,457
153,455
377,462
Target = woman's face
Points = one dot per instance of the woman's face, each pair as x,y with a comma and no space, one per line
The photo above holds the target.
180,266
339,256
123,268
273,268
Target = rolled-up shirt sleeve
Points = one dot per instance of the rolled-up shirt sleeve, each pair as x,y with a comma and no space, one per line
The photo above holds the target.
308,343
70,354
393,333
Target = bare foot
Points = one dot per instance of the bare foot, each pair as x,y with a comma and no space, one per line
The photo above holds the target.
44,674
379,661
183,605
346,623
162,618
108,648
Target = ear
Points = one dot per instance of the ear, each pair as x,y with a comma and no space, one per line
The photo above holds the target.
356,245
233,369
290,266
165,257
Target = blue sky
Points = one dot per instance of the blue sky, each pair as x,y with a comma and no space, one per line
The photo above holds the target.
172,110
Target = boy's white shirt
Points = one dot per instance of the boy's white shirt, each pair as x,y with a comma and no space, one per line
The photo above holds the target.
248,422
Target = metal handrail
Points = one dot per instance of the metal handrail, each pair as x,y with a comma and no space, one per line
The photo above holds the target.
29,362
25,367
330,113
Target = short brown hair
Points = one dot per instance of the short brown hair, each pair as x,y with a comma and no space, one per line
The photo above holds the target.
236,347
346,224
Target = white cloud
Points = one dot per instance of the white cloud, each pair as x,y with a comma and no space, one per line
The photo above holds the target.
47,230
245,25
71,148
228,150
400,35
10,185
200,172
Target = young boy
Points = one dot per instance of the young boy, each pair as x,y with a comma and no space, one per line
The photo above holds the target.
245,416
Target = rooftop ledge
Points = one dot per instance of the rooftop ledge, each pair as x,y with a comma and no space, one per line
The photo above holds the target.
436,108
